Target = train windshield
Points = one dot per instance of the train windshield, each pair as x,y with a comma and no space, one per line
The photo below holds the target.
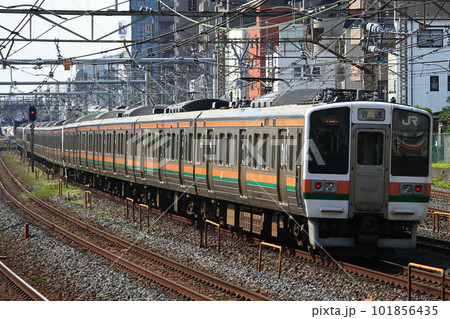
410,143
329,141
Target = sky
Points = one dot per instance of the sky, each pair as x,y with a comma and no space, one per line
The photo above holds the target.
39,28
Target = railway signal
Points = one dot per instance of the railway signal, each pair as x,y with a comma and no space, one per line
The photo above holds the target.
32,113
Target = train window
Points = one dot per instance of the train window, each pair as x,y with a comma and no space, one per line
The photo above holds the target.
370,148
298,160
291,153
174,147
117,140
329,141
248,151
199,148
256,148
410,143
100,139
186,155
215,153
111,145
144,145
208,149
149,145
119,144
107,146
168,146
274,151
243,140
155,143
221,149
142,150
265,151
231,150
190,146
182,145
90,142
134,143
234,151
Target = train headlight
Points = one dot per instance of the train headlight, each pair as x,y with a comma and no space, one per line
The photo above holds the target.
328,187
411,189
406,189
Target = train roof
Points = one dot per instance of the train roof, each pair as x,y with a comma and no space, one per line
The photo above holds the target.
110,115
249,116
197,105
145,110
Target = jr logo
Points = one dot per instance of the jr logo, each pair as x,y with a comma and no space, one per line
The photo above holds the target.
411,119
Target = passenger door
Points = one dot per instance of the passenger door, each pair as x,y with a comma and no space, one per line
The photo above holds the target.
369,180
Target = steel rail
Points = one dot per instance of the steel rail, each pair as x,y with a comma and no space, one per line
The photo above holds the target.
397,280
433,244
440,194
21,284
239,291
110,256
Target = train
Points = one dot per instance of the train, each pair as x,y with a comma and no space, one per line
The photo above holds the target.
320,174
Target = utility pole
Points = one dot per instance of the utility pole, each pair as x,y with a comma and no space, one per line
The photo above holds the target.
369,77
32,118
220,62
109,88
403,54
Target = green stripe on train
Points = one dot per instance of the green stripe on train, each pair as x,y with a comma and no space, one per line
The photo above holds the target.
325,196
410,199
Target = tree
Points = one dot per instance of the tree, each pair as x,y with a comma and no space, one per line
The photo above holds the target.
445,117
424,108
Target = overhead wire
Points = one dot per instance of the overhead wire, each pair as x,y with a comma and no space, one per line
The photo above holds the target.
191,39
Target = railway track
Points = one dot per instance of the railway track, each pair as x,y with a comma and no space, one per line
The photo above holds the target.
22,287
173,276
394,274
440,194
423,282
438,245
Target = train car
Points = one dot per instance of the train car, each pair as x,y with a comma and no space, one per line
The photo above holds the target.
345,174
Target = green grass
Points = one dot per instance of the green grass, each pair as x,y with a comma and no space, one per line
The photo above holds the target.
47,188
35,279
43,188
24,195
440,183
441,165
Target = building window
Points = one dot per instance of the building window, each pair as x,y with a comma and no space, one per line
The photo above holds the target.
430,38
434,83
448,82
316,71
